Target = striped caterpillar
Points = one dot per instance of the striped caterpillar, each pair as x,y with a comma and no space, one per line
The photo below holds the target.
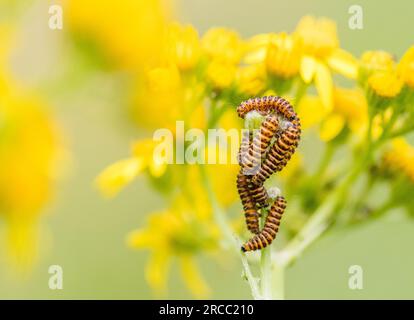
278,155
259,157
252,154
249,206
270,229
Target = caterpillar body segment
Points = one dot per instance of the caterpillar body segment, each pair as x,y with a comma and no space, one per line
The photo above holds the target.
266,236
249,206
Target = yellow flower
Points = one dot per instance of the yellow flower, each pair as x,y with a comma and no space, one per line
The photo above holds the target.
405,68
183,46
322,53
164,98
118,175
284,55
30,155
251,80
385,84
223,45
351,104
377,61
292,167
221,74
349,109
255,48
172,234
161,94
319,36
373,62
400,158
311,111
129,33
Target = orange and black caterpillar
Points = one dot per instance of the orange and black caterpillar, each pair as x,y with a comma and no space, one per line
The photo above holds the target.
265,105
249,205
259,194
244,148
251,154
270,229
279,154
266,157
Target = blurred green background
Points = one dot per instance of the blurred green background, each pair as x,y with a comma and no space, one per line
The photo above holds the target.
88,232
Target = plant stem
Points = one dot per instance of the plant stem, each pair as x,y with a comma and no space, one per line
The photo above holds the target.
315,226
266,273
324,162
223,224
265,266
323,216
402,131
278,281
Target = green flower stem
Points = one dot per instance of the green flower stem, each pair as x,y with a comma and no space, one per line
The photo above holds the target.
324,162
265,267
402,131
319,222
278,281
223,224
315,226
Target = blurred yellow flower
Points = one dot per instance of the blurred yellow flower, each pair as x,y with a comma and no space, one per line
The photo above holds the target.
183,46
284,54
255,48
115,177
30,155
292,167
385,84
319,36
129,33
322,53
400,157
172,234
311,111
405,68
221,74
251,79
223,45
162,94
165,97
377,61
349,109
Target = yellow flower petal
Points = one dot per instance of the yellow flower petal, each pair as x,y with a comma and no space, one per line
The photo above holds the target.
331,127
344,63
183,46
22,242
324,85
405,67
292,166
157,167
119,174
139,239
157,271
311,111
223,45
192,277
307,68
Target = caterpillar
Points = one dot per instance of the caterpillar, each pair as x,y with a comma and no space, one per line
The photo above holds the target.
269,104
250,156
249,205
278,155
270,229
244,147
262,139
265,156
259,195
249,105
